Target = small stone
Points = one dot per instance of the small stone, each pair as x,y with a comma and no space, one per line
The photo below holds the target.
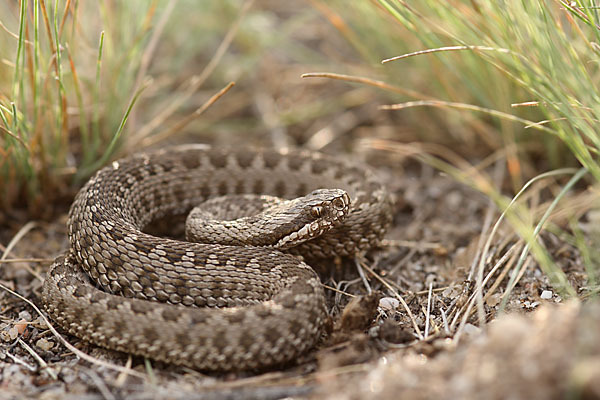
493,300
44,344
546,295
25,315
13,333
5,336
535,304
530,305
21,326
389,303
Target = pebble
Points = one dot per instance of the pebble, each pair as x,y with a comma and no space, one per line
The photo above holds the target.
21,326
24,315
389,303
13,333
494,300
546,295
44,344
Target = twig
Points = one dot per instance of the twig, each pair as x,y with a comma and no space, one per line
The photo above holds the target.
39,359
21,362
68,345
428,313
337,290
20,260
399,297
410,244
445,320
19,235
361,273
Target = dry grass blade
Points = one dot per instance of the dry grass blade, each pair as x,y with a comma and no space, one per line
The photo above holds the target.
419,245
189,88
102,388
468,309
447,48
18,236
367,81
428,313
186,120
337,290
463,106
361,273
17,138
479,260
151,47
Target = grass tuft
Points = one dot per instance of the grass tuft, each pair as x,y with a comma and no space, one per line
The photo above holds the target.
525,65
41,131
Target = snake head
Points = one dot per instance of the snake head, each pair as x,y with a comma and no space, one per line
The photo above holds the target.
314,214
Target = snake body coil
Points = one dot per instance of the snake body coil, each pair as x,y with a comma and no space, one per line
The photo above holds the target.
205,306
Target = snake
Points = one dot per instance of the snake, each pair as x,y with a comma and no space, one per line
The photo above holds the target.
220,304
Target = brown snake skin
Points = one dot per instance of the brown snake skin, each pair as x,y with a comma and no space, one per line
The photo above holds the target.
215,307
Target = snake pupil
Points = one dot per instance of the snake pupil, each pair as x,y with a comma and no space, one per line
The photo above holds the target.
317,211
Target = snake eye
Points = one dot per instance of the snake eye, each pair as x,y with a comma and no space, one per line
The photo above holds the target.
317,211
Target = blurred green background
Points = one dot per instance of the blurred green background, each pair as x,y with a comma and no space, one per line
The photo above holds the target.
84,82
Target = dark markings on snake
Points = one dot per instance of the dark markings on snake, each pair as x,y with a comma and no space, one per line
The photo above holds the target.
287,312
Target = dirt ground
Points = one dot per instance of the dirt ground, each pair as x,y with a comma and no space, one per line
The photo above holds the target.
542,349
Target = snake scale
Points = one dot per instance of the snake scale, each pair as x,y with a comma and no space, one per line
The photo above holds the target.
206,306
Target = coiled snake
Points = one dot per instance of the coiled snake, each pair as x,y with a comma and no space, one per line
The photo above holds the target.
216,306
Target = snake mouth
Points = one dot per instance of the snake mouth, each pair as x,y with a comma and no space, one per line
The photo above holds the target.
326,209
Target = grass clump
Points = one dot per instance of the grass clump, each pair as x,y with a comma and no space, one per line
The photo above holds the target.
522,73
73,73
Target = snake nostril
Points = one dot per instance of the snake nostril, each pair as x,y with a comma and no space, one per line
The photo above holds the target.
339,204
